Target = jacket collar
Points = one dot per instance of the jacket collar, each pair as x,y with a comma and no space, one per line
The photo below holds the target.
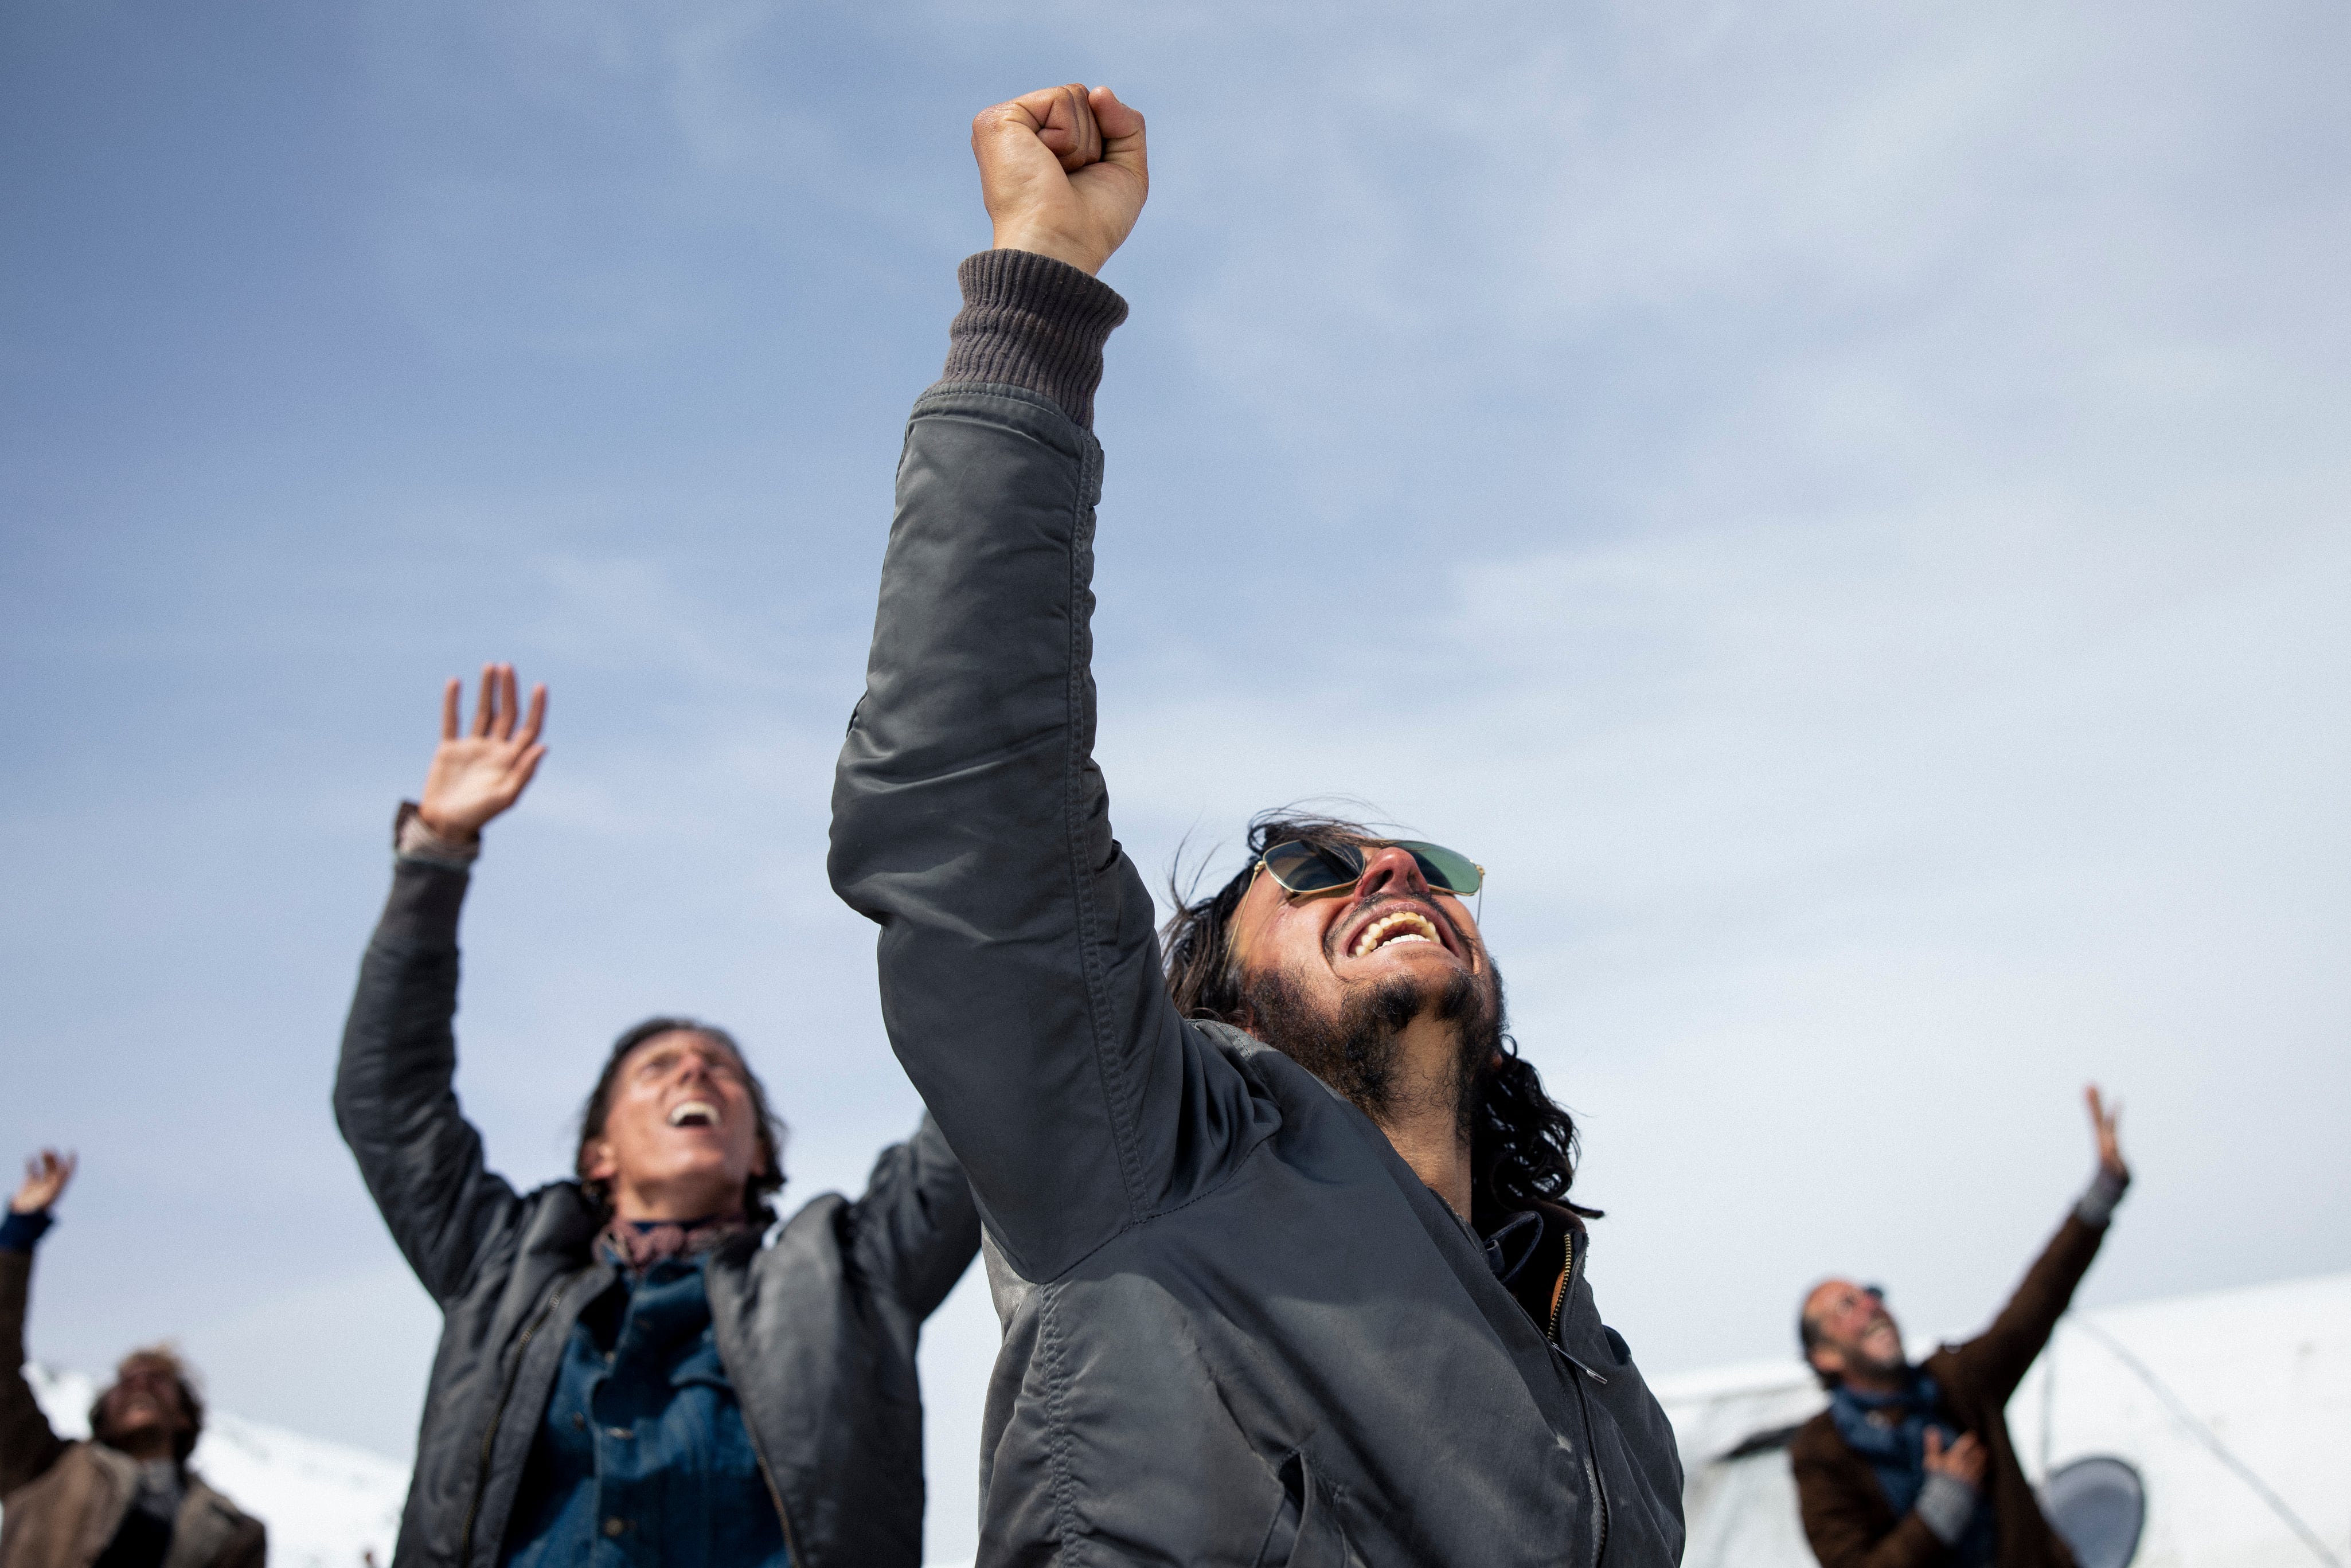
199,1530
1535,1246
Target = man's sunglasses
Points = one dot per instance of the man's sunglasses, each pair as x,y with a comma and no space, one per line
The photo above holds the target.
1302,867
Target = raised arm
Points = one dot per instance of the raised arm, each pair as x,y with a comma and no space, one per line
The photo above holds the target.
916,1225
28,1444
2001,1355
1019,970
396,1098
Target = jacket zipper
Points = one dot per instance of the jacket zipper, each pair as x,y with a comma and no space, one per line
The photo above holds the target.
498,1414
783,1516
1559,1297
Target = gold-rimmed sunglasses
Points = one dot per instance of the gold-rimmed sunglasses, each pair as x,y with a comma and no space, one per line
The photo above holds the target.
1302,867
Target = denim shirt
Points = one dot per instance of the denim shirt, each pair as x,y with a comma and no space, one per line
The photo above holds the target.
643,1458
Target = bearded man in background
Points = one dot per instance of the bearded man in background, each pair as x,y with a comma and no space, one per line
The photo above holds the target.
1911,1467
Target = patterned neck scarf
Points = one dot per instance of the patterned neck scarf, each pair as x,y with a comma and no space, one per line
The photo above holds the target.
1890,1431
637,1245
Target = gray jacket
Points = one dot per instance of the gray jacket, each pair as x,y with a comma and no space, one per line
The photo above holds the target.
817,1329
1237,1328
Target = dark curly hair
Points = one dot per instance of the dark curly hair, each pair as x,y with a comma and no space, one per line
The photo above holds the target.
757,1188
1522,1143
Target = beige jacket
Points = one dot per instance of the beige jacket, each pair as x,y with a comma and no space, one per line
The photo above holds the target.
66,1517
61,1502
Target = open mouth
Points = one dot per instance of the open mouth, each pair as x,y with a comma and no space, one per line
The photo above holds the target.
1397,925
694,1114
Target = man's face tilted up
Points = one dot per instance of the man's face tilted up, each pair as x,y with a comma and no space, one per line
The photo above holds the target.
145,1413
1853,1338
1381,989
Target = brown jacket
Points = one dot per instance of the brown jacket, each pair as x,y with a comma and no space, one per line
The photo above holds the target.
61,1502
1846,1516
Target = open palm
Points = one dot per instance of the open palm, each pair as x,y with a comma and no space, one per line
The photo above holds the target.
45,1176
478,774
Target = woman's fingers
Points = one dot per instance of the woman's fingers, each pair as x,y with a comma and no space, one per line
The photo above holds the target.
508,705
486,705
538,719
451,697
526,767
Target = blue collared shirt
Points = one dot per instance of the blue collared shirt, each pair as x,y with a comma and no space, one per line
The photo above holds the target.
643,1460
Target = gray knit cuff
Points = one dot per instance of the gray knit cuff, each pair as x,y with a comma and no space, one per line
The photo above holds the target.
413,840
1035,322
1945,1504
2097,1205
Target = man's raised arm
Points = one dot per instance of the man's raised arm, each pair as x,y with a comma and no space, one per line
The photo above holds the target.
2003,1353
1020,971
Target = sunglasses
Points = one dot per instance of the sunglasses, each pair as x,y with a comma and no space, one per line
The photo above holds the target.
1301,867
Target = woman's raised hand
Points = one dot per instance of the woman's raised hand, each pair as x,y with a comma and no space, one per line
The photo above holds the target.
479,774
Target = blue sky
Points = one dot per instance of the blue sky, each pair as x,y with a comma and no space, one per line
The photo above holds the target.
1841,509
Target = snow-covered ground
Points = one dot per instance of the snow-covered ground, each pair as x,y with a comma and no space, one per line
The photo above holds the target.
326,1505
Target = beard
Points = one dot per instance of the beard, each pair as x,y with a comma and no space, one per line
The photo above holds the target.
1356,1047
1896,1361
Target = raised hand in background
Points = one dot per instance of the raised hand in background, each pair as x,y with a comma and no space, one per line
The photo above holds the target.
2102,1118
46,1175
479,774
1062,172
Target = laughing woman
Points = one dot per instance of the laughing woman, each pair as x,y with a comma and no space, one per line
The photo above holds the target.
627,1374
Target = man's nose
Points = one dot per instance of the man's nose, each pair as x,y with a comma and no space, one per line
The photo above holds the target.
1390,872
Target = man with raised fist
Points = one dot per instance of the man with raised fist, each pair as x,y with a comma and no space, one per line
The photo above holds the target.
1279,1231
125,1499
1911,1467
630,1372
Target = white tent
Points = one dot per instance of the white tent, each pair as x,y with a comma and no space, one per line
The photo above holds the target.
2234,1407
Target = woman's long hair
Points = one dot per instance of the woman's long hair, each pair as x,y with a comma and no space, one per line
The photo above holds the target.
1522,1143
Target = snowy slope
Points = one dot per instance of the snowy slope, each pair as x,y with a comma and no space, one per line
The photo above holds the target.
326,1506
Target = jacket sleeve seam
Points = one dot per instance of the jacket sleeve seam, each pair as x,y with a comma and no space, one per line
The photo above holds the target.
1111,1071
1065,1484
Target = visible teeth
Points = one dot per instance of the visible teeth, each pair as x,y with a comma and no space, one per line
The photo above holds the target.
1402,926
701,1111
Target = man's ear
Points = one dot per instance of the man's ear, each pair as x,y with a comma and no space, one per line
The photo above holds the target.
599,1164
1826,1360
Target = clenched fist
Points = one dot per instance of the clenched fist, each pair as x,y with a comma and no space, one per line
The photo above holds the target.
1062,172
